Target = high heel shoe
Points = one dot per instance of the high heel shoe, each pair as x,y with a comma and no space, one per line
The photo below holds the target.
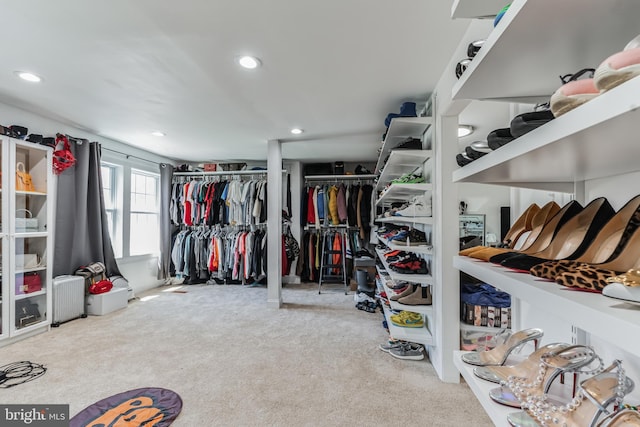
546,234
623,418
499,354
606,246
522,225
593,278
524,369
594,396
544,215
518,392
572,240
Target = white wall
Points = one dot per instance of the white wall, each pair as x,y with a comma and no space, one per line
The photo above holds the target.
140,271
485,199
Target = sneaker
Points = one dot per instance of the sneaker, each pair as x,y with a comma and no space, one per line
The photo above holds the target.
409,351
408,319
391,344
420,206
617,69
574,92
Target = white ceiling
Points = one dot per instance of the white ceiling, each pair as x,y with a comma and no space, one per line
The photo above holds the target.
123,68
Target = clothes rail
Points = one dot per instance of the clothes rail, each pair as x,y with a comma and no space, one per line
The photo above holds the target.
128,156
334,179
245,172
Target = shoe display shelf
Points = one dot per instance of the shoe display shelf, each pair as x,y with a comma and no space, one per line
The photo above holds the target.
402,162
422,249
481,388
596,314
527,59
589,142
423,220
417,335
402,192
395,305
476,9
413,278
400,129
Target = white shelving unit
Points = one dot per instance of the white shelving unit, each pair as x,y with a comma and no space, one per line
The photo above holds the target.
401,161
19,315
475,8
576,146
498,413
402,192
422,249
400,129
529,60
590,143
422,220
601,316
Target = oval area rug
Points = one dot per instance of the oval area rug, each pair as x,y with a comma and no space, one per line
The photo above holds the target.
148,407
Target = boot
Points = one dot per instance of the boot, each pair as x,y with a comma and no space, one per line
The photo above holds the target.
410,289
421,296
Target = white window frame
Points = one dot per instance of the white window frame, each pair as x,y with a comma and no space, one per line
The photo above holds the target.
125,168
116,203
156,176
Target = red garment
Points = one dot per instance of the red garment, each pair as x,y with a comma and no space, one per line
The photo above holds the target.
187,205
337,246
311,215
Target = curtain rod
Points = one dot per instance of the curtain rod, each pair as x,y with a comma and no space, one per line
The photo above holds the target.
131,155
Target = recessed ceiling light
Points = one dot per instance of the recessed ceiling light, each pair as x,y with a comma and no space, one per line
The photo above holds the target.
158,133
464,130
249,62
30,77
296,131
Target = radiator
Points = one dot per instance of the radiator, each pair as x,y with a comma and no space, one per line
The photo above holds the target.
68,299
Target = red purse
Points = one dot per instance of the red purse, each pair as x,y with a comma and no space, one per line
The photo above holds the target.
27,283
100,287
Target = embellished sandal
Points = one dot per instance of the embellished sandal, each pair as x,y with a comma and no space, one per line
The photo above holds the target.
499,354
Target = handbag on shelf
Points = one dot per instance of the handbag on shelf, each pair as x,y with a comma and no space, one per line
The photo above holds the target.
23,178
28,223
25,261
27,313
27,283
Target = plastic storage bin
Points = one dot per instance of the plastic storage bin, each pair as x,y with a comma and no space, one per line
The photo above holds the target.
101,304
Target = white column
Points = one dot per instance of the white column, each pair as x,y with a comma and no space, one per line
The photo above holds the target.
274,223
447,284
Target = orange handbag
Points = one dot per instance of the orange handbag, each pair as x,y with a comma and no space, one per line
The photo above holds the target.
23,178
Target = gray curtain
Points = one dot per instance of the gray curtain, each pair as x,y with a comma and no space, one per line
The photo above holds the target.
82,232
166,228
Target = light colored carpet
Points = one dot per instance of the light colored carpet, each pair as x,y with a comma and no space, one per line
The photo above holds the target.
236,362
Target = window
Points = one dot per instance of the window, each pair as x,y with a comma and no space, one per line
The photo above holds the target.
132,204
110,186
144,234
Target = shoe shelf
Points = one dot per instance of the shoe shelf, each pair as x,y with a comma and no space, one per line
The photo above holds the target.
401,162
591,141
476,9
395,305
481,388
402,192
413,278
422,249
424,220
487,329
417,335
612,320
537,40
400,129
